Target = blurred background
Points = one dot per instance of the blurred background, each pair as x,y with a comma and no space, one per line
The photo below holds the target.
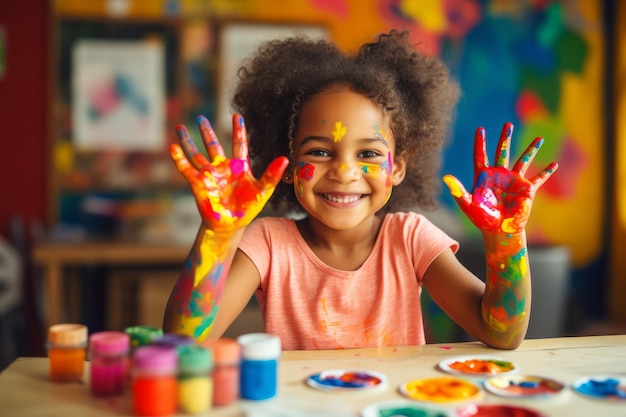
95,221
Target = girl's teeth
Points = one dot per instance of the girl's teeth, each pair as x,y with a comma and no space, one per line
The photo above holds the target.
342,199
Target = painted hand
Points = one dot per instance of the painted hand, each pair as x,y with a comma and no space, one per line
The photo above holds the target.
501,199
227,193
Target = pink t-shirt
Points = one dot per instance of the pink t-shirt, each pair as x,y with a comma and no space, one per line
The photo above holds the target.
313,306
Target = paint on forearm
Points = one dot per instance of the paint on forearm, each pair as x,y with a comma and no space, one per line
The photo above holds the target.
507,267
199,288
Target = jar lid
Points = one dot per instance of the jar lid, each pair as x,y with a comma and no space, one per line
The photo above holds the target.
157,359
224,350
259,346
67,334
109,343
142,335
174,340
194,358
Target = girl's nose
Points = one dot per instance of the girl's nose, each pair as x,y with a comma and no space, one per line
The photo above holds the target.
343,171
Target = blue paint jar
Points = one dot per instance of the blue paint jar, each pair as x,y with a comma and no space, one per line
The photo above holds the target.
259,365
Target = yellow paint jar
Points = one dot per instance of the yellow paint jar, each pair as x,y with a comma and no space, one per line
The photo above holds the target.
195,384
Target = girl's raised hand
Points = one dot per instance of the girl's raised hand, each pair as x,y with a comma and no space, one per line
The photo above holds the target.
501,199
227,193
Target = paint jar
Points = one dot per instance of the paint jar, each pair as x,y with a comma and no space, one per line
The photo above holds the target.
67,351
142,335
109,363
226,360
259,365
154,385
195,383
173,340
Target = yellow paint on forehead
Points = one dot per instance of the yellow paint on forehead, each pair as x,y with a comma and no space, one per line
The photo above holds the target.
339,131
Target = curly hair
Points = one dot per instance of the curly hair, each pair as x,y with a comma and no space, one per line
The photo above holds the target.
416,91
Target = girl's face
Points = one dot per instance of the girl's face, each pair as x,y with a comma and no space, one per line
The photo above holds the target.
344,165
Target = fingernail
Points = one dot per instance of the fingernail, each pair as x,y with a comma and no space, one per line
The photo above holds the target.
203,121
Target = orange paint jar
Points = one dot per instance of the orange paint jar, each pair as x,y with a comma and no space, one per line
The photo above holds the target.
67,351
226,362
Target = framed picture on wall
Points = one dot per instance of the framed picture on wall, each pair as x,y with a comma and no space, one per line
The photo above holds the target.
239,41
118,95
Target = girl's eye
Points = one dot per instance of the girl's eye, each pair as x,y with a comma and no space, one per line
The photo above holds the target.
368,154
318,152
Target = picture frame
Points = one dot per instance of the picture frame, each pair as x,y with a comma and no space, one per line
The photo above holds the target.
238,42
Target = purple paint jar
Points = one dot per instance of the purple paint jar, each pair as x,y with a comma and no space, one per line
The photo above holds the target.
173,340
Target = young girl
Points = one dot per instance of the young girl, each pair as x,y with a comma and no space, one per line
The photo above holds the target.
354,139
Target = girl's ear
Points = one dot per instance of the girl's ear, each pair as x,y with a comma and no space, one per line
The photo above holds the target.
288,175
399,168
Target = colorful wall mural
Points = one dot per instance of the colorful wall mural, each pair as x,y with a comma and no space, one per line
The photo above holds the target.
536,63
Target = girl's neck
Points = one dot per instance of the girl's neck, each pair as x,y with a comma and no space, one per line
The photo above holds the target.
340,249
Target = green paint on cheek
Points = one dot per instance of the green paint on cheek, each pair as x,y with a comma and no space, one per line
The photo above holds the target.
371,170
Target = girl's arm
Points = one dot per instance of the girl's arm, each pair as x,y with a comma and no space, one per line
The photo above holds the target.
499,206
228,198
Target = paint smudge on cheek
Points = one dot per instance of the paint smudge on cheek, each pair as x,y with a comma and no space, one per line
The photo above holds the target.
339,131
305,171
379,133
371,170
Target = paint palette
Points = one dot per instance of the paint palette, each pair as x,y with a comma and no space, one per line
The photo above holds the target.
477,366
524,386
603,387
405,408
347,380
446,389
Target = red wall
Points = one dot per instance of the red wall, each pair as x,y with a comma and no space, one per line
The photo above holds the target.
23,119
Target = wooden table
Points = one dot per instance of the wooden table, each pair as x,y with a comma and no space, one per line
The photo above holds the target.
54,257
25,390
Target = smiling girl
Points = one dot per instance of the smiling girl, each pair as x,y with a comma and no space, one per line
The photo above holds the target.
349,142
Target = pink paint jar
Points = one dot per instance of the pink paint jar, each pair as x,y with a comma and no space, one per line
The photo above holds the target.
109,363
226,362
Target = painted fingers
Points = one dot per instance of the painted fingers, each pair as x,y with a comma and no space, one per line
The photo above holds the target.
503,152
194,156
522,164
209,138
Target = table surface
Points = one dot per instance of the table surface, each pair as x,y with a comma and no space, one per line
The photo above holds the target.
26,391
